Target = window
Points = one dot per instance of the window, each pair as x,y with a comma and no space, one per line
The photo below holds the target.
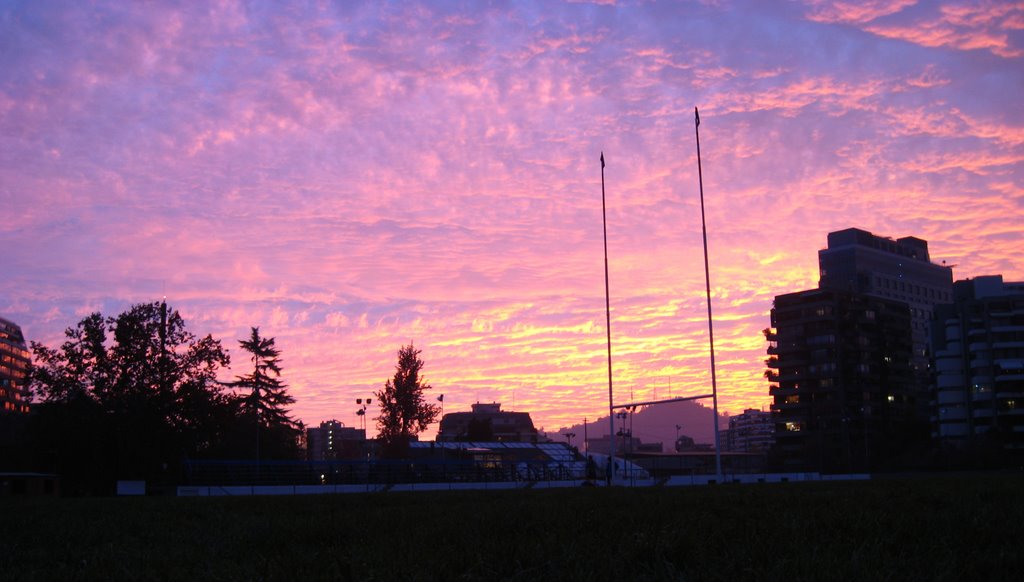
793,426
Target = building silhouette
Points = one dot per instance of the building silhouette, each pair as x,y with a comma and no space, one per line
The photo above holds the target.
332,440
625,445
487,422
841,381
861,262
14,363
750,432
979,366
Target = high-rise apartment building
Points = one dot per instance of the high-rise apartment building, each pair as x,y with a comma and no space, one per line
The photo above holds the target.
979,365
900,269
840,375
14,362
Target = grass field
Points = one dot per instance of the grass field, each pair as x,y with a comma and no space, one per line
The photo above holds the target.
936,528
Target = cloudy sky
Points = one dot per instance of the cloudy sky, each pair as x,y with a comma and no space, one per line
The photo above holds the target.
351,177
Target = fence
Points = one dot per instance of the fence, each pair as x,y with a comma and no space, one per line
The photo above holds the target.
382,472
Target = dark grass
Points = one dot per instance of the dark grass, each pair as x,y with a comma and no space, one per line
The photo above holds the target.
935,528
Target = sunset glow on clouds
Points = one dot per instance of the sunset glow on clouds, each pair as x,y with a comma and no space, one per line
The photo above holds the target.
350,177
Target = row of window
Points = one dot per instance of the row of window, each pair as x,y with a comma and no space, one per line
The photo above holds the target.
8,357
12,372
913,288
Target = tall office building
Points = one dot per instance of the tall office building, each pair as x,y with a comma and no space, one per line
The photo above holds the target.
979,365
840,377
14,362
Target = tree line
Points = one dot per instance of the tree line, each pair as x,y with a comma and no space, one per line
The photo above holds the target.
137,395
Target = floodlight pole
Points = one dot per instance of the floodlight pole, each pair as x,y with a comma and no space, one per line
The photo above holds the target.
707,281
608,329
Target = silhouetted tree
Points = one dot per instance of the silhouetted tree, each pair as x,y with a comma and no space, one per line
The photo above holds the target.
404,412
266,404
127,397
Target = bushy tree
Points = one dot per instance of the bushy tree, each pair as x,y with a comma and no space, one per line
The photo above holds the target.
128,397
404,412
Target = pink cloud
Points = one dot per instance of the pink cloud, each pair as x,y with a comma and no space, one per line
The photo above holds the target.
352,177
984,25
855,12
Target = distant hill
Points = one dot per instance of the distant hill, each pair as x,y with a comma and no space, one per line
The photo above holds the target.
657,424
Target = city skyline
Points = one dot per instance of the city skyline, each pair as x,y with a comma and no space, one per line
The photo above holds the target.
352,178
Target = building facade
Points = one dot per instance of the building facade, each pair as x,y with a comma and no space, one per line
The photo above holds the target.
841,380
979,365
332,440
750,432
487,422
14,363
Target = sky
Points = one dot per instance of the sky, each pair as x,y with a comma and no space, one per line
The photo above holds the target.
351,177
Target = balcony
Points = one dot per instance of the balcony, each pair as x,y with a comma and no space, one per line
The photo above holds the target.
772,362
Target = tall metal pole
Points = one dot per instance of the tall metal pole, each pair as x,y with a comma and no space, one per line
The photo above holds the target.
608,328
707,281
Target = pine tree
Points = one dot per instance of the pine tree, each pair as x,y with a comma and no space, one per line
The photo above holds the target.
268,399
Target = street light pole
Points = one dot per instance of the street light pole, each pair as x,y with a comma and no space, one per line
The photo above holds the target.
361,412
